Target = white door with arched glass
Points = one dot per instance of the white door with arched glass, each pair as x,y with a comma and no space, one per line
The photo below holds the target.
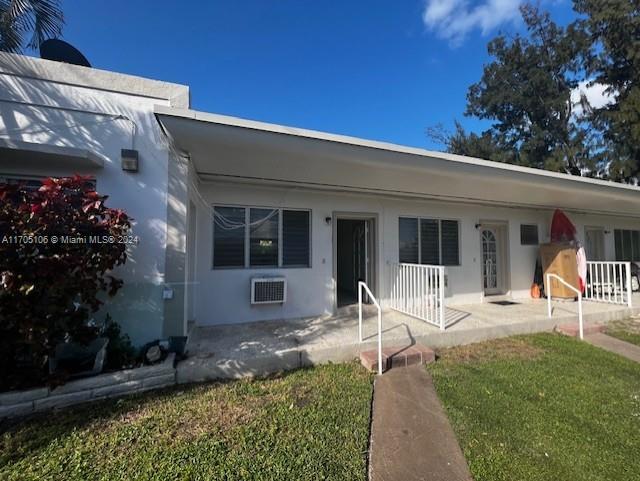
490,261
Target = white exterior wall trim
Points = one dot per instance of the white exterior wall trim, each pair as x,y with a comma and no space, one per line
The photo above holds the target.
40,69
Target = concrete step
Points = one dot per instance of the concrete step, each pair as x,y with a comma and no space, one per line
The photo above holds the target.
573,329
398,356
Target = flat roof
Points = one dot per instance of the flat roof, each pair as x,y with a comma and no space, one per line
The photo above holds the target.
41,69
379,145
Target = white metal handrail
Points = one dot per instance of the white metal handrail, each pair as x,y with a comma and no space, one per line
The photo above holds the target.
608,282
362,285
418,290
577,291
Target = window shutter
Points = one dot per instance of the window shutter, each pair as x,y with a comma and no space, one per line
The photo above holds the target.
429,241
635,245
408,238
295,238
263,237
228,236
618,243
450,245
626,245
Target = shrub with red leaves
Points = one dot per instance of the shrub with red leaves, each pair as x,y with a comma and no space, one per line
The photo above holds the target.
57,247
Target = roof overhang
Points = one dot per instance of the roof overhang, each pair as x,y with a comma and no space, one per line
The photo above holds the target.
233,149
43,157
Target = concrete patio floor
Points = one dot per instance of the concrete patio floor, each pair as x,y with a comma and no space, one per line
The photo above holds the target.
259,348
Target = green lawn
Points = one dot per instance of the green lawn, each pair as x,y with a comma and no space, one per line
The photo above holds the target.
543,407
308,424
627,330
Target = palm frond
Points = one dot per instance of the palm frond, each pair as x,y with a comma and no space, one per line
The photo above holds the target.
42,18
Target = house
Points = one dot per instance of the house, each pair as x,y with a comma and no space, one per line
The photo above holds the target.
246,221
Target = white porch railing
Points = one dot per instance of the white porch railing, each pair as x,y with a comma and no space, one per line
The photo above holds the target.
418,290
361,286
609,282
578,293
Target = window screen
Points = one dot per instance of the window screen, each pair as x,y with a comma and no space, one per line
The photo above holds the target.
271,237
528,234
263,238
295,238
408,238
627,251
627,244
228,237
429,241
450,251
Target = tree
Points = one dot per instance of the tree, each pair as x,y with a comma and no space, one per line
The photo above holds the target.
42,19
613,30
483,146
526,91
51,283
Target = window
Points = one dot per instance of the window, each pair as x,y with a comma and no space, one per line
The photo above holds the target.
450,243
261,237
296,240
31,182
429,241
229,236
528,234
408,233
627,245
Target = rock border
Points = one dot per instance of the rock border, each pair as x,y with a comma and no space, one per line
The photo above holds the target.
102,386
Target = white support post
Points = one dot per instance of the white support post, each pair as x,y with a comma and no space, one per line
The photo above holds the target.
548,292
360,313
379,342
441,296
627,266
362,285
580,315
577,291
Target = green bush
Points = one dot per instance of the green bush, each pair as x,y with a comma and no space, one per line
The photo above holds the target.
49,290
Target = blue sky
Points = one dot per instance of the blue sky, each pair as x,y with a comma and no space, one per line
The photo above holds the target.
383,70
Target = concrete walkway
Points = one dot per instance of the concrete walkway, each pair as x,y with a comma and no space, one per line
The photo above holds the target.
608,343
411,438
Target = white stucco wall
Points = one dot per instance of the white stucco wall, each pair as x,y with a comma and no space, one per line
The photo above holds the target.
69,113
222,295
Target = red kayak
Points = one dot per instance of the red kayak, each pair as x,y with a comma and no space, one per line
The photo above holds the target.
562,229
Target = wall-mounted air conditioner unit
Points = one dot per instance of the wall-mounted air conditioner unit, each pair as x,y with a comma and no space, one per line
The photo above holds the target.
268,290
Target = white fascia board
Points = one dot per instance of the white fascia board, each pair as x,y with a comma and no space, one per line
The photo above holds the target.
499,167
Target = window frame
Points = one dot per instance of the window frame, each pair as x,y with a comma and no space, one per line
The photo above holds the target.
635,256
247,238
39,178
439,221
530,224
